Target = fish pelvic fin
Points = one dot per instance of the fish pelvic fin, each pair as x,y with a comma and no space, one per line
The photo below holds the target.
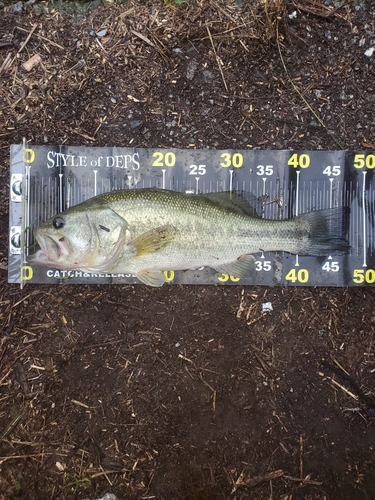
151,277
244,265
154,240
322,232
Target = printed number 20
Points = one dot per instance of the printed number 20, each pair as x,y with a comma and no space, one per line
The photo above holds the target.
161,159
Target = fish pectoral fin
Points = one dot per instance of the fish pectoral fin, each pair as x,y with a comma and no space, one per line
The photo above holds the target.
154,240
151,277
244,265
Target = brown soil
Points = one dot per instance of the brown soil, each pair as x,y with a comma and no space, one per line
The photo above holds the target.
187,392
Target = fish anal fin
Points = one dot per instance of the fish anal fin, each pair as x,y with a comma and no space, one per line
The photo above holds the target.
154,240
244,265
151,277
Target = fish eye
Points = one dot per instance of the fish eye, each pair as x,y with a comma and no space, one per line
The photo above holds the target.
58,222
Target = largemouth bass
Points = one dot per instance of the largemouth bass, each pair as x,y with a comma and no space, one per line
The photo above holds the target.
147,231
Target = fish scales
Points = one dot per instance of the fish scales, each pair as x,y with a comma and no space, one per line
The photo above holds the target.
146,231
208,233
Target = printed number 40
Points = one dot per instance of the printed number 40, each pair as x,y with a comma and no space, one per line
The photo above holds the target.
302,160
302,275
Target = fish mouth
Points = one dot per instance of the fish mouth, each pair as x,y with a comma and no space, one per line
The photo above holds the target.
52,250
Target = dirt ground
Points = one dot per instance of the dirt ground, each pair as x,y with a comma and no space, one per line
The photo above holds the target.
187,392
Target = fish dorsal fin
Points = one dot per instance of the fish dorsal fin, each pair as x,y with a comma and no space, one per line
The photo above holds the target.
154,240
235,202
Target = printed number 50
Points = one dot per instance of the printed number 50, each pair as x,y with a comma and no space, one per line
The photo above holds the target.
362,276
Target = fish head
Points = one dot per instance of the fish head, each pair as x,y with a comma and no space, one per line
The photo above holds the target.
87,239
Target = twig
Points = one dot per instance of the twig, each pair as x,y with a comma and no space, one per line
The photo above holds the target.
6,63
43,38
19,302
186,359
142,37
27,39
256,319
323,12
211,389
299,93
17,457
75,131
12,426
253,481
305,480
24,44
217,58
342,373
5,376
224,12
341,386
264,366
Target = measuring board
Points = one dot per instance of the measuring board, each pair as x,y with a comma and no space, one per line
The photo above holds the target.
46,180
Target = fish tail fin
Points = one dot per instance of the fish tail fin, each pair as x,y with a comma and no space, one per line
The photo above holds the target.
323,232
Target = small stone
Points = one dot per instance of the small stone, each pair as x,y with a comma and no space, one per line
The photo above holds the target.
108,496
135,123
191,69
16,8
208,75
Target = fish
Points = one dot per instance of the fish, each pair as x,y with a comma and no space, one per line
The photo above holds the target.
148,231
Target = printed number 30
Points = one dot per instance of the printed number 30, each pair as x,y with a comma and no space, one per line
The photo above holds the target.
226,277
235,160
